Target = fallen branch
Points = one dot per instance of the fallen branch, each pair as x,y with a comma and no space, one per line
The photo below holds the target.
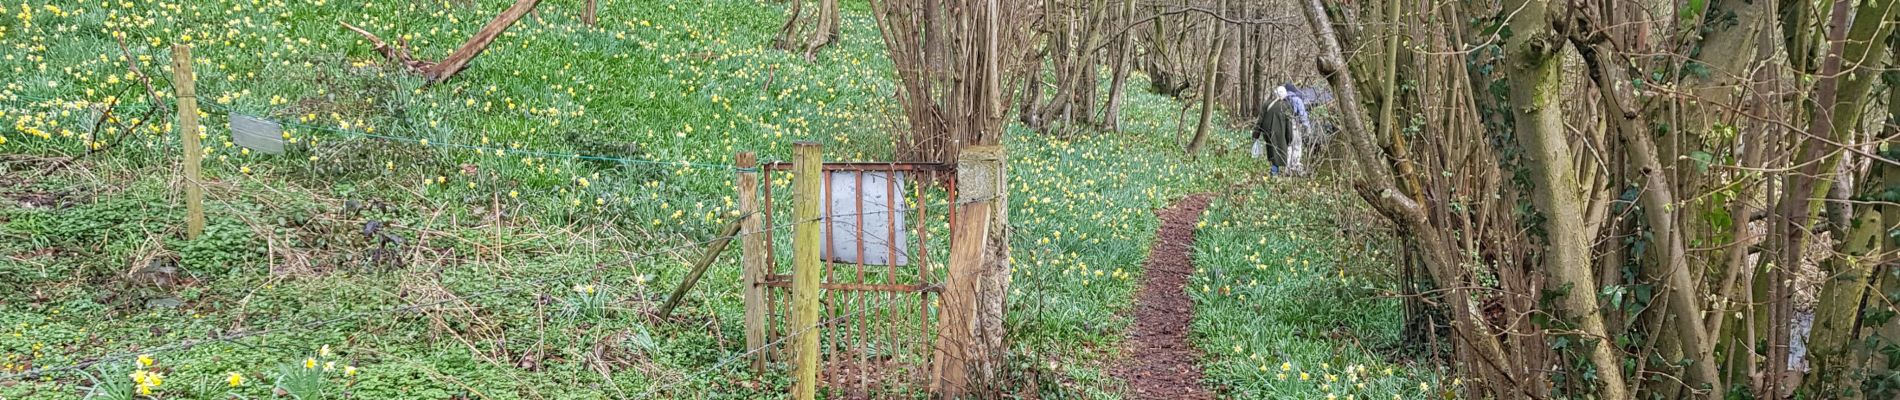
399,53
441,71
474,46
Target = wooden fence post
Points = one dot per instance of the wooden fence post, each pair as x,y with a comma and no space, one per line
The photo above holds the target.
752,247
185,88
959,350
807,199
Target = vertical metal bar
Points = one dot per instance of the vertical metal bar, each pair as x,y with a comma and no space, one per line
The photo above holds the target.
857,298
771,322
831,305
923,265
890,239
952,212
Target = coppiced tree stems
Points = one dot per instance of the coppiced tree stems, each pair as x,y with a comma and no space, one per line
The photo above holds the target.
1685,166
1854,66
824,30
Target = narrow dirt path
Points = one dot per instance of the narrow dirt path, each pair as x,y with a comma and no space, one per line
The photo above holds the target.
1160,363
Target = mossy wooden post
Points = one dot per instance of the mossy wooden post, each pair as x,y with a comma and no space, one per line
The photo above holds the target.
807,198
752,247
185,89
979,183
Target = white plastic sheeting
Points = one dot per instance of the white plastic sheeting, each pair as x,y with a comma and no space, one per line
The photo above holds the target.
883,212
257,134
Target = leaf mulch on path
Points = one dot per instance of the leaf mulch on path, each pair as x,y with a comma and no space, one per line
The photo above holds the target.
1160,363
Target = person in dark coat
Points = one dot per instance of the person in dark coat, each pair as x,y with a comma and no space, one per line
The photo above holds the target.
1273,134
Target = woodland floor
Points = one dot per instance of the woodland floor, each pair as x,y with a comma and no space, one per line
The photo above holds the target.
1161,364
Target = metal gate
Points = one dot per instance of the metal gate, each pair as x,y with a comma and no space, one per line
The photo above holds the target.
877,320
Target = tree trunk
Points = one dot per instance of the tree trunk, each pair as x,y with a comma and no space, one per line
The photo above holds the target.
1209,82
968,109
1112,114
1880,363
789,30
1535,73
827,30
1843,94
1388,121
1162,77
587,14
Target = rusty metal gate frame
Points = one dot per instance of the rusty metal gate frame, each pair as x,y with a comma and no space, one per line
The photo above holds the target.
849,331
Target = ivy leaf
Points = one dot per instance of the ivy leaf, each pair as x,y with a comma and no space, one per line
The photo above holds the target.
1615,294
1702,160
1696,69
1719,218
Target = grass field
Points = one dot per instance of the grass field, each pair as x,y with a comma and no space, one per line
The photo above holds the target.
541,267
1292,300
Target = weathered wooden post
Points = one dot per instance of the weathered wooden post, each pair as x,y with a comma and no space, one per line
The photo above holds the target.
752,247
807,199
185,88
967,293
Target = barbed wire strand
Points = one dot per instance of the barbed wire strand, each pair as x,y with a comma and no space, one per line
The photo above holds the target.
788,336
190,343
214,109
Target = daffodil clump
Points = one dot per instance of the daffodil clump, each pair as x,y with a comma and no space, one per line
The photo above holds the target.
587,300
319,376
143,379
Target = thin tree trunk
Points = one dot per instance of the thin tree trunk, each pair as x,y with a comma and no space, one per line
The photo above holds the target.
1209,82
1112,114
1836,313
1739,271
1388,122
587,14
